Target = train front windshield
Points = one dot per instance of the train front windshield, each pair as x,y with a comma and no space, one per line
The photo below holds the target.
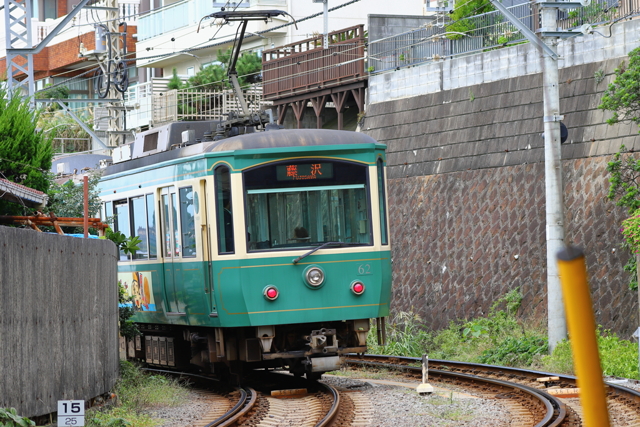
305,204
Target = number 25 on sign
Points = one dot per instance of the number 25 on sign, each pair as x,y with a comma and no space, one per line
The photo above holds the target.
71,412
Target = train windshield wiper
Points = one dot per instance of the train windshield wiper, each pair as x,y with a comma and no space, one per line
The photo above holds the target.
324,245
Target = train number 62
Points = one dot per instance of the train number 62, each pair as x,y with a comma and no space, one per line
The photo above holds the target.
364,269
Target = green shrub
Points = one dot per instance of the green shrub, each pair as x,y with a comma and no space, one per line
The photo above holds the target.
515,351
138,391
618,358
9,418
500,338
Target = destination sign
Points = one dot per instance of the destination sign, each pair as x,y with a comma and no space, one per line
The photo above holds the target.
306,171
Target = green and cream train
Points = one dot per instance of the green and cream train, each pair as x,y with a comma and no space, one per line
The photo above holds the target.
266,249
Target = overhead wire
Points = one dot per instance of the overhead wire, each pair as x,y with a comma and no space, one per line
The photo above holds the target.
196,48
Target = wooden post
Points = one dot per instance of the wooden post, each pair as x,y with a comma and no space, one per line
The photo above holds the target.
86,206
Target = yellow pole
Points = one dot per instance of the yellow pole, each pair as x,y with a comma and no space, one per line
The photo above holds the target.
582,328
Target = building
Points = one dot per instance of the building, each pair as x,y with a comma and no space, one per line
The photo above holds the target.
67,59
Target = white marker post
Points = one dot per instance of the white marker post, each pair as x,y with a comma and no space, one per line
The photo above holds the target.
425,388
70,412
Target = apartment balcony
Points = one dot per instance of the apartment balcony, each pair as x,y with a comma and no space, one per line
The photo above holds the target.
152,104
187,13
85,20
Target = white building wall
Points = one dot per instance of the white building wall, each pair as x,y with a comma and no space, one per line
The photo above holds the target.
159,47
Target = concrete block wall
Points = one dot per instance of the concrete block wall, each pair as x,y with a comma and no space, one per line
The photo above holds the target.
466,188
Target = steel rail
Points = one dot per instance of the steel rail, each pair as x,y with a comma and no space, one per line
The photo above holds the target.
333,411
248,397
556,411
568,380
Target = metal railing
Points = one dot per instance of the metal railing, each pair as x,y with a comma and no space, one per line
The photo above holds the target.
71,145
129,10
152,103
484,32
304,66
190,104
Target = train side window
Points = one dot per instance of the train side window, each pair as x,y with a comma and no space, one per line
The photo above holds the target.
382,204
187,222
139,225
170,230
224,209
151,226
121,221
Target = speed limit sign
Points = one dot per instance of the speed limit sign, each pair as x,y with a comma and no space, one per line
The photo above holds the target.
71,412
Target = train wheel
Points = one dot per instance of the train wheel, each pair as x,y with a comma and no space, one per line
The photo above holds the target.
314,376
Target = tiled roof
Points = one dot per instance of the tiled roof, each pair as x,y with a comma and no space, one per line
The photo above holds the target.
18,193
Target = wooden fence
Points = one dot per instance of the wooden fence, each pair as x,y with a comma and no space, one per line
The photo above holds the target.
58,319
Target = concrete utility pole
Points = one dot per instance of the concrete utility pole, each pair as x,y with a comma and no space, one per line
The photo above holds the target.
115,110
557,325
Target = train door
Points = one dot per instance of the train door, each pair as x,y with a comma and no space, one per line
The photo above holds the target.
171,249
206,249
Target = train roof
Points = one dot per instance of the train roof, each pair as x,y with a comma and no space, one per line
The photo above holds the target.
282,138
290,138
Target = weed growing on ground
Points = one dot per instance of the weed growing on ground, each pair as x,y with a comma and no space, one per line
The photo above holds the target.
499,338
618,358
138,391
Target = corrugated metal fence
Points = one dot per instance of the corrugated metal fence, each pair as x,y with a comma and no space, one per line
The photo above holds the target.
58,319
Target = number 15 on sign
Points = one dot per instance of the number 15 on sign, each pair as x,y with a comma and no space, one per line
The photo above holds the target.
71,412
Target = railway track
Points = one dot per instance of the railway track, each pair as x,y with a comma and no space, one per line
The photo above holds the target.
282,400
624,403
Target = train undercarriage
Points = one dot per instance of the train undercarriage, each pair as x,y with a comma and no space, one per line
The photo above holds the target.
304,349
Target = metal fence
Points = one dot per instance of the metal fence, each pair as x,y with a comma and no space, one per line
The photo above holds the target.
196,104
483,32
71,145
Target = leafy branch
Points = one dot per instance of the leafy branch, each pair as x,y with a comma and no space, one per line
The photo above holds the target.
126,307
10,418
625,190
622,97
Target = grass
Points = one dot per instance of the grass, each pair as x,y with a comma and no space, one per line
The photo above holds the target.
136,393
501,338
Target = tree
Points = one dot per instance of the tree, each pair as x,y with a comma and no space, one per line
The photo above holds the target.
175,82
212,77
461,14
57,92
622,97
625,190
25,153
67,200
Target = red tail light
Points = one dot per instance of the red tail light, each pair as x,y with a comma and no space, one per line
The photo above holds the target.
357,288
271,293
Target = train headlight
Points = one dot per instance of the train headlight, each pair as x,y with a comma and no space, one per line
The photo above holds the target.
270,292
357,287
313,276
